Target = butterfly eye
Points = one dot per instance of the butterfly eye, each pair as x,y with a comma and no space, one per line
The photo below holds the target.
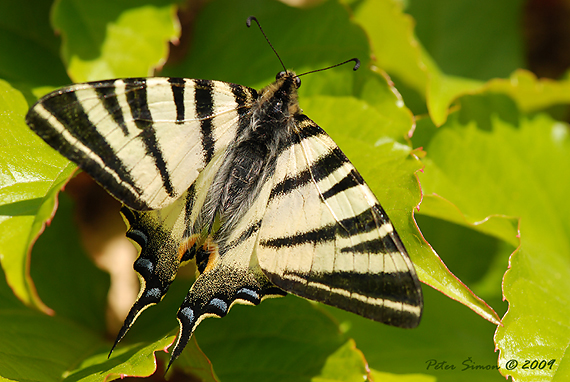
297,82
280,75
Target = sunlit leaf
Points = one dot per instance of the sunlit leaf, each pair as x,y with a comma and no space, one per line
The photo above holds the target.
109,39
28,46
517,173
31,176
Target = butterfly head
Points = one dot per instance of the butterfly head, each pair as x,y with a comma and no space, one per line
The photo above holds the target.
279,99
287,75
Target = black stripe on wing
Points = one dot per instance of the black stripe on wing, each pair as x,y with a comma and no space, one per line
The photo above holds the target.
66,108
392,286
244,236
136,92
318,170
352,179
106,92
304,128
178,85
394,298
364,222
204,103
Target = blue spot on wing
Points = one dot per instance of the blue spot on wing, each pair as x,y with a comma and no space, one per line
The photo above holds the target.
188,314
248,295
144,264
154,293
220,305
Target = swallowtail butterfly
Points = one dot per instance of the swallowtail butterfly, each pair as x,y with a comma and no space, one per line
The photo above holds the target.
242,182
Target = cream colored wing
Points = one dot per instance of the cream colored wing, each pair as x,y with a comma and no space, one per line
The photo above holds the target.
325,237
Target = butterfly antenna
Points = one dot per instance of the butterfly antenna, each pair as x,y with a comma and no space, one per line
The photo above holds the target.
248,23
355,60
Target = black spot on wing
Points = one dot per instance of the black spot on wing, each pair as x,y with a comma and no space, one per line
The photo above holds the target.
138,237
136,92
202,257
248,294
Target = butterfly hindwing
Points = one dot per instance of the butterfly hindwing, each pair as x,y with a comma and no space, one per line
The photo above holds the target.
325,237
143,139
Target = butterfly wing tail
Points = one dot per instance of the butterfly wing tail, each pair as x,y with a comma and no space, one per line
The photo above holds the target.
156,265
214,293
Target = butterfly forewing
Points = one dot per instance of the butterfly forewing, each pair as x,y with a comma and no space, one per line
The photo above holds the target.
144,140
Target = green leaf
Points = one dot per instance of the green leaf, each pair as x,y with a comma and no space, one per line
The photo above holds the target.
28,45
387,377
477,40
530,93
502,227
67,280
286,338
514,168
133,360
195,364
395,46
31,176
443,90
398,51
453,32
36,347
109,39
449,332
345,364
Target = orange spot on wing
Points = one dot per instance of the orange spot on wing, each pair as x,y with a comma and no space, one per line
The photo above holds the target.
186,245
212,249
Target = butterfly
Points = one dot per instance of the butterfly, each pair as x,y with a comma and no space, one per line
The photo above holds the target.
239,181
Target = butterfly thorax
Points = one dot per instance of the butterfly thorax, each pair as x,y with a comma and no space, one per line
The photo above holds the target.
251,160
